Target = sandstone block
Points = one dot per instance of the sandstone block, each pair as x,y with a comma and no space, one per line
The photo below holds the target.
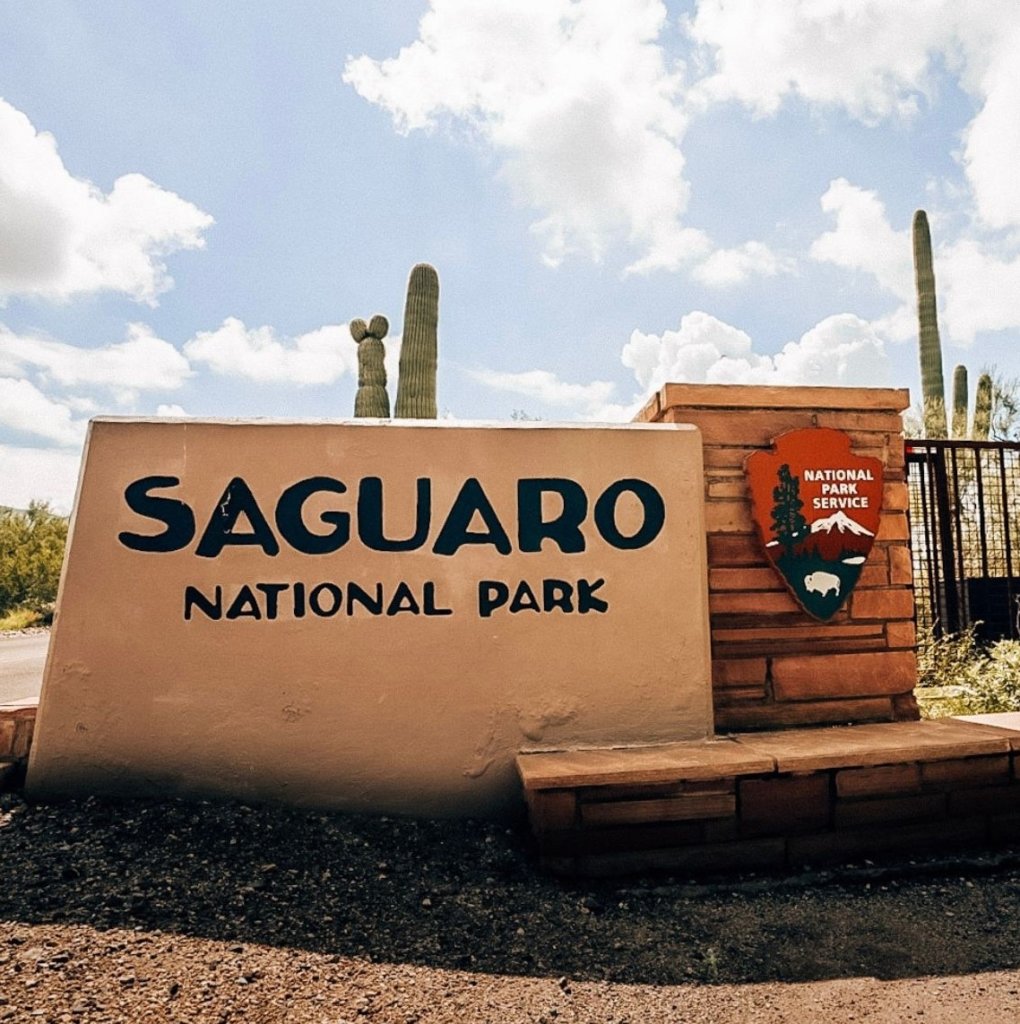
875,840
883,781
687,807
985,800
7,730
893,526
784,804
895,603
868,674
901,634
900,568
803,713
965,772
778,602
749,578
743,673
552,809
917,807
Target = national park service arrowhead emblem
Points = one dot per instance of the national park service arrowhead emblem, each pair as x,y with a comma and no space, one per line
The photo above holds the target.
817,509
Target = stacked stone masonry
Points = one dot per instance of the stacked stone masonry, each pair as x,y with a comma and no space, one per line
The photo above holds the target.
17,722
773,665
776,800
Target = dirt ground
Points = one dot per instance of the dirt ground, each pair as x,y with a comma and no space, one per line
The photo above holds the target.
221,912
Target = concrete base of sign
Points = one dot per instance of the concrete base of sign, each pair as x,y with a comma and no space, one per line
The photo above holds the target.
371,616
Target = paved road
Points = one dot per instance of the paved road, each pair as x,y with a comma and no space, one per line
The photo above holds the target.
21,666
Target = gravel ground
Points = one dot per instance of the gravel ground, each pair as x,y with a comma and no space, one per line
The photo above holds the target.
168,911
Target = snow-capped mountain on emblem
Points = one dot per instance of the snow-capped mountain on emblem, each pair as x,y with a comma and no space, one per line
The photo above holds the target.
817,509
839,521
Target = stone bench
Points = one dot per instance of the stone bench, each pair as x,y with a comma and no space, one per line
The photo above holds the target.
17,722
776,799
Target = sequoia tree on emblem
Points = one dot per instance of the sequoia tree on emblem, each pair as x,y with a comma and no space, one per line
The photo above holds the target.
817,508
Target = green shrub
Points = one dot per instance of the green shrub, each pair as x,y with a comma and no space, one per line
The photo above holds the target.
22,618
959,676
31,554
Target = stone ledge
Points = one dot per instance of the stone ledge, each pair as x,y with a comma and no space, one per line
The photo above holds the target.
17,724
775,799
744,396
867,746
628,766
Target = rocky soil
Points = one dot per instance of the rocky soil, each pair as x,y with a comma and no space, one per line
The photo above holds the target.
167,911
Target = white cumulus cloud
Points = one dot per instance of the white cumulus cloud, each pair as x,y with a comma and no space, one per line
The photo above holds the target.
321,356
588,400
977,279
840,350
171,410
63,236
46,474
726,267
142,362
876,60
863,239
23,407
578,99
871,57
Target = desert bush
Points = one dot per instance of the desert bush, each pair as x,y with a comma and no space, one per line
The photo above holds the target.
31,554
957,675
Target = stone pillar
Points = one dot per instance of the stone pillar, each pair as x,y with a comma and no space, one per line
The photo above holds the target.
774,665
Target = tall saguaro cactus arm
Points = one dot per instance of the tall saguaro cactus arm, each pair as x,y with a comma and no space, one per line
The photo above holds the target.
932,384
983,408
416,385
371,398
960,401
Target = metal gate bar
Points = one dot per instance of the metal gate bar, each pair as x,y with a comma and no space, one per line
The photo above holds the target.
965,528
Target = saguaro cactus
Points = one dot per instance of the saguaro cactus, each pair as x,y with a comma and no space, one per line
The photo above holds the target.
983,408
372,398
960,399
933,390
416,385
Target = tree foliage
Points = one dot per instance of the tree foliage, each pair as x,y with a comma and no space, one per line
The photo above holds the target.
788,525
31,554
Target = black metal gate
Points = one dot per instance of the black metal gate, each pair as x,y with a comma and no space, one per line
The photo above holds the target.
965,535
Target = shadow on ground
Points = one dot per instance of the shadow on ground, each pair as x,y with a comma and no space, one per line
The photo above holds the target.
468,895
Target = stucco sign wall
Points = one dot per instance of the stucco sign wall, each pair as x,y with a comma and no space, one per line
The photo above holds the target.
371,616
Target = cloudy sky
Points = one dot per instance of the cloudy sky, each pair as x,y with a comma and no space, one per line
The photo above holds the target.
196,198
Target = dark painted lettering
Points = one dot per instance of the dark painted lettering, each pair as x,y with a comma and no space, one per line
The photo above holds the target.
429,606
492,594
175,515
245,605
524,599
373,604
370,516
470,501
565,529
335,597
291,524
557,594
586,599
654,514
272,592
236,501
403,600
193,597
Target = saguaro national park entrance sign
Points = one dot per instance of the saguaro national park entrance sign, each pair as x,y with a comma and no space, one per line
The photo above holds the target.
817,508
371,616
